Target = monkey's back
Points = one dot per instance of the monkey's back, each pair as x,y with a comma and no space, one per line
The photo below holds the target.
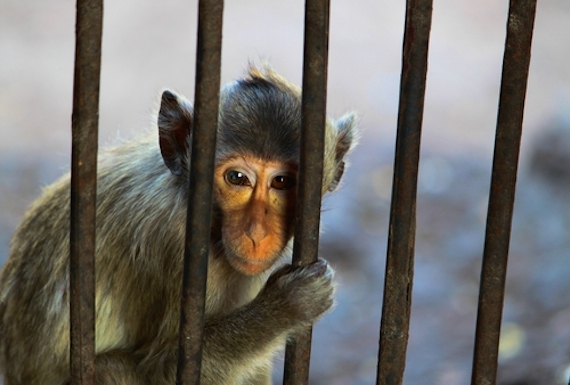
34,283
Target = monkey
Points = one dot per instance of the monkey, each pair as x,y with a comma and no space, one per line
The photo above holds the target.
254,298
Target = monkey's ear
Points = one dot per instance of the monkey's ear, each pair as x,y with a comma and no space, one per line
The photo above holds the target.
174,127
346,139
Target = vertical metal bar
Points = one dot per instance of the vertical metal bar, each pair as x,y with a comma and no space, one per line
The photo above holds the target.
516,63
85,121
309,193
206,101
400,255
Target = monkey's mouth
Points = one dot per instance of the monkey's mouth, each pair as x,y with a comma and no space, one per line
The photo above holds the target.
248,266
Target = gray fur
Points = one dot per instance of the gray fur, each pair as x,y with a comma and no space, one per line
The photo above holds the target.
141,215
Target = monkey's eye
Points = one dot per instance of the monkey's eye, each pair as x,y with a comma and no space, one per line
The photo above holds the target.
237,178
283,182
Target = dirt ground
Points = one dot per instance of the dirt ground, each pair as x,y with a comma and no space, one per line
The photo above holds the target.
149,46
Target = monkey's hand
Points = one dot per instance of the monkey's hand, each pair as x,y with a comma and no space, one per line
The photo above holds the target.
293,297
300,295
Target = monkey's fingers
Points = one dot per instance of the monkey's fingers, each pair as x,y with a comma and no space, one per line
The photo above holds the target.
318,268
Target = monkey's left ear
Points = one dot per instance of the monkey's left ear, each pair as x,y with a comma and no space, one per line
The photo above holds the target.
346,138
174,127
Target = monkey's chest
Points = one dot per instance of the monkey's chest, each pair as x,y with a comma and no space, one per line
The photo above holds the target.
225,297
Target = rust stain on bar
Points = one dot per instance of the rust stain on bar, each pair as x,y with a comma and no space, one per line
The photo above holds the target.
309,193
206,101
85,121
400,255
502,193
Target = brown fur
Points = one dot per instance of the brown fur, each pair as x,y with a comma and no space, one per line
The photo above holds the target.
141,209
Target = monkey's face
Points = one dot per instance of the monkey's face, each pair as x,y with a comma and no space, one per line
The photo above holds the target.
256,199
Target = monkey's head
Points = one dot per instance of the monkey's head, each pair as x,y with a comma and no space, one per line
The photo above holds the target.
257,161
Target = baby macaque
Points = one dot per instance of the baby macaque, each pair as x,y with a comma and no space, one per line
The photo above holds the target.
252,305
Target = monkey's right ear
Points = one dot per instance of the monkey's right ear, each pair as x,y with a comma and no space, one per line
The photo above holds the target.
174,127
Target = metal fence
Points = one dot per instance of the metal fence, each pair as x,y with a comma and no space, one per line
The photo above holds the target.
400,256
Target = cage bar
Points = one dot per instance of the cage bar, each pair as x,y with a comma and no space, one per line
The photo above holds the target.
400,254
198,225
309,190
84,130
516,63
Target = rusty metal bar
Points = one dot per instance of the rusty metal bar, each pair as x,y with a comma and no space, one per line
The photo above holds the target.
206,101
84,129
516,63
309,193
400,255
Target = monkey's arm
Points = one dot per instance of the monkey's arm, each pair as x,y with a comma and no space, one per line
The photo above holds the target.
248,337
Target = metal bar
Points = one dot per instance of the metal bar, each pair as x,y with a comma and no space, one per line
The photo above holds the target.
85,121
400,254
198,225
309,193
516,63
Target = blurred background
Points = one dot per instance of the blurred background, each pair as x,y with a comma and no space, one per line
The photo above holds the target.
150,45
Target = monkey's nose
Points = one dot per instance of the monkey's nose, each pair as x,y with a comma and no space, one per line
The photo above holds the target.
256,233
